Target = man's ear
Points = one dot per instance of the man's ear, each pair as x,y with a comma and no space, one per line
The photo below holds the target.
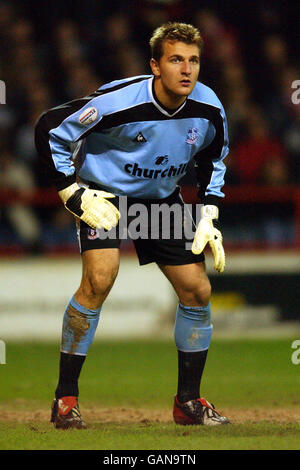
155,67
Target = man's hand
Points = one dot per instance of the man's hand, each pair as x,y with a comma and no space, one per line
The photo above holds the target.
91,206
206,232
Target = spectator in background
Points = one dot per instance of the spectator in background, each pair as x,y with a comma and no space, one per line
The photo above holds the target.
284,118
69,46
277,75
223,51
16,177
238,99
119,43
24,146
291,140
220,39
78,79
275,51
260,158
222,46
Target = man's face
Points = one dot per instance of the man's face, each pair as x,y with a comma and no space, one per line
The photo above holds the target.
177,70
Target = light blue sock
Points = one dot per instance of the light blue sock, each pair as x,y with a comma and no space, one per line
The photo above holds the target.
193,328
79,327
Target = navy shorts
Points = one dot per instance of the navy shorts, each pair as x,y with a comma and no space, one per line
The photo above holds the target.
165,248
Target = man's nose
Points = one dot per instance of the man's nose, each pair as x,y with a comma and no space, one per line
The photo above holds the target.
186,67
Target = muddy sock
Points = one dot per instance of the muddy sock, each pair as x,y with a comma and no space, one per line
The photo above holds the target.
79,327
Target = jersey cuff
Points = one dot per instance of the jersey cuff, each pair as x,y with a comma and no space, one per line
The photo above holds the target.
212,200
65,182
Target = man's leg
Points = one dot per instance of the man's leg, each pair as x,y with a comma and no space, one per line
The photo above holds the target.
193,330
192,326
99,270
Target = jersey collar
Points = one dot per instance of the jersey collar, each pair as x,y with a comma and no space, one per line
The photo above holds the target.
158,105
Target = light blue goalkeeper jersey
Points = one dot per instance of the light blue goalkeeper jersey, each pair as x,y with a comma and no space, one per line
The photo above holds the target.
129,144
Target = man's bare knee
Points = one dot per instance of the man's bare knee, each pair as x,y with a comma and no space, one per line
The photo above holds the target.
203,293
101,282
100,269
196,295
98,283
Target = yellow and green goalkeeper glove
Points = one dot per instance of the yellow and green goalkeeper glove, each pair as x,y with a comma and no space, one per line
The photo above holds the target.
91,206
207,233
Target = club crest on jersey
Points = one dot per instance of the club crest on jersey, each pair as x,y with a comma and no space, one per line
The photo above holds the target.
192,135
92,234
88,116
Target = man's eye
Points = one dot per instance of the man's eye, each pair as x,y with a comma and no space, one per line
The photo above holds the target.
175,60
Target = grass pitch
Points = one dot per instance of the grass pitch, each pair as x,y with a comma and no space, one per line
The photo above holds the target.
126,397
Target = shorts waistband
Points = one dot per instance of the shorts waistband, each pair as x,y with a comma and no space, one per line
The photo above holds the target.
134,200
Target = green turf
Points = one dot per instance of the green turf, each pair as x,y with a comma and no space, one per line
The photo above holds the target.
262,436
143,374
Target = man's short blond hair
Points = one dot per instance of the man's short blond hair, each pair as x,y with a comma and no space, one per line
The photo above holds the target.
174,31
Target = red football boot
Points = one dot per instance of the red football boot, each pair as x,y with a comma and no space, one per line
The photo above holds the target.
65,413
197,411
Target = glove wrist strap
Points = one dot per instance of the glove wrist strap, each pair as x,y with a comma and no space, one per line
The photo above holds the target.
209,211
66,193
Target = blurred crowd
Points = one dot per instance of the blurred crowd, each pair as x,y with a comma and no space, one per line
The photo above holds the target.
65,50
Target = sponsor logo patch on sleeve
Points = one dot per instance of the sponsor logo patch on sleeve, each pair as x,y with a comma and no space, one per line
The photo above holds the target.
88,116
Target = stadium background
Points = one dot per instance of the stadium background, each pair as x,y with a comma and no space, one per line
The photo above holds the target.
61,51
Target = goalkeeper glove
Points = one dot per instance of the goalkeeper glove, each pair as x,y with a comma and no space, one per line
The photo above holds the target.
91,206
207,232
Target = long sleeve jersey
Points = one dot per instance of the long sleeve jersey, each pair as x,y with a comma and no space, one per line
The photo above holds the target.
129,144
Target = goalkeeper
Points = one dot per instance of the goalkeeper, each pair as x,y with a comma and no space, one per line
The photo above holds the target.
135,137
